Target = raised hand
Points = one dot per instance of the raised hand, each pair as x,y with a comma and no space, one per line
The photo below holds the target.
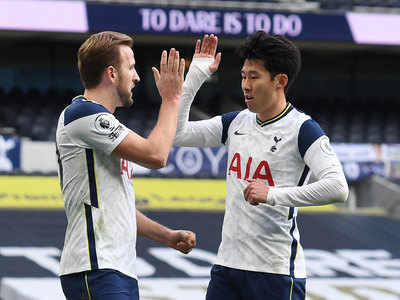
169,79
207,49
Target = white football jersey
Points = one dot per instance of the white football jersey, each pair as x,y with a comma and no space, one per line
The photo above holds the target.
262,238
97,190
279,152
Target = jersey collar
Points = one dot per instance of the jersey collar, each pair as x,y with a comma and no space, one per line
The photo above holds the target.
81,97
287,109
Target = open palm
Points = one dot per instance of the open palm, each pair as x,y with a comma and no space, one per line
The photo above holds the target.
207,49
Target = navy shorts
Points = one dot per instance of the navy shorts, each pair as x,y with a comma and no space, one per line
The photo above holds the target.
234,284
105,284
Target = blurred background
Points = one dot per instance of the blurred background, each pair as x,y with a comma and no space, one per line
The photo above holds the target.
349,83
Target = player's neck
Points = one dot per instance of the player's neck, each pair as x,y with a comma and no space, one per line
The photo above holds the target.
273,110
102,96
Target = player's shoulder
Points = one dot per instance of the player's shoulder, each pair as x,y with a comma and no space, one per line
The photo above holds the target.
232,117
82,107
236,115
306,124
309,131
299,115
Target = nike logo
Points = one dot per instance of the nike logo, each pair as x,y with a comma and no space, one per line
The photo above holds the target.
238,133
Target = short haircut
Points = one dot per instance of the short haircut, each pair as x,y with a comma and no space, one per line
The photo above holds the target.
280,56
98,52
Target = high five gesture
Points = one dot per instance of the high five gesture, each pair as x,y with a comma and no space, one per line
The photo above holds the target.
207,48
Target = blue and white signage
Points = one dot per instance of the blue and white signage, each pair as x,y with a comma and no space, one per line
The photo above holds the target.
10,153
84,17
166,20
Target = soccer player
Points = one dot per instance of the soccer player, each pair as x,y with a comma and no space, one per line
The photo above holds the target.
272,149
95,152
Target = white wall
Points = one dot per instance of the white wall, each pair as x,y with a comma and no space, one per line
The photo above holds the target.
38,156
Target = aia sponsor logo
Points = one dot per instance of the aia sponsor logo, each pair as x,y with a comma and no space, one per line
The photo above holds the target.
126,168
262,171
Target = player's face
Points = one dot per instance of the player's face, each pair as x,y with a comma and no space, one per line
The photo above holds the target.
127,76
257,86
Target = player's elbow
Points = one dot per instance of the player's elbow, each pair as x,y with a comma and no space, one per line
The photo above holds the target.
161,163
341,191
157,161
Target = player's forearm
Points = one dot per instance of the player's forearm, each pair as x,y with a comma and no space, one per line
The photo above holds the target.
162,136
197,74
151,229
330,189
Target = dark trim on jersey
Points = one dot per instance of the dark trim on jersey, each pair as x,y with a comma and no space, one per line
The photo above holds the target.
291,213
82,107
294,243
92,178
309,132
60,167
303,175
90,237
226,122
83,97
287,109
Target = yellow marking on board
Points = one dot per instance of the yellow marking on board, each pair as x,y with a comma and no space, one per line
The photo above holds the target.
43,192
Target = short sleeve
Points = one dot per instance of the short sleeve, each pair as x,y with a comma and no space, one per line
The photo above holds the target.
226,122
309,132
94,127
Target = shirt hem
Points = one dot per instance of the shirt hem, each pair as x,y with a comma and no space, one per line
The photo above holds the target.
85,269
262,270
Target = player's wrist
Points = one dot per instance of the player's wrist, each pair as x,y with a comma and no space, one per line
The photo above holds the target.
270,198
171,100
202,64
170,238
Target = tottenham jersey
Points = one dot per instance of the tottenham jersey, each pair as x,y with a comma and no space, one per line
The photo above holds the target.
263,238
97,190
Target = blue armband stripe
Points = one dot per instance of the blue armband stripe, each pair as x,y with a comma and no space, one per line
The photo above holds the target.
80,108
226,122
309,132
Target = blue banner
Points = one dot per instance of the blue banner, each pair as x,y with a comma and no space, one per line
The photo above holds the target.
190,162
166,20
194,162
10,153
355,171
83,17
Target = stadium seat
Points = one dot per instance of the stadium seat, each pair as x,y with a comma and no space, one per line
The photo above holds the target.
343,119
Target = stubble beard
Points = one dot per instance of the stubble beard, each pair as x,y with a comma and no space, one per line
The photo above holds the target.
125,97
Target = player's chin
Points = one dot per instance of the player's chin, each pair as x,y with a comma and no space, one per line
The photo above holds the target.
129,101
251,107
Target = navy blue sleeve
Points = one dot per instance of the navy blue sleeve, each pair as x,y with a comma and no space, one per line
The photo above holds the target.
309,132
80,108
226,122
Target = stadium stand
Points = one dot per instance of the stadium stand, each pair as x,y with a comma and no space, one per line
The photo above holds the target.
39,122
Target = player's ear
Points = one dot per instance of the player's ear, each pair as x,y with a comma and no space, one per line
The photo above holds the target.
281,81
111,73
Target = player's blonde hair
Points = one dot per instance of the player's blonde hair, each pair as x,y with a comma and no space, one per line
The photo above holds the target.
98,52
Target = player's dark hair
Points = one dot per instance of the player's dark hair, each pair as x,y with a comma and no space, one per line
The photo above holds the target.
280,56
98,52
